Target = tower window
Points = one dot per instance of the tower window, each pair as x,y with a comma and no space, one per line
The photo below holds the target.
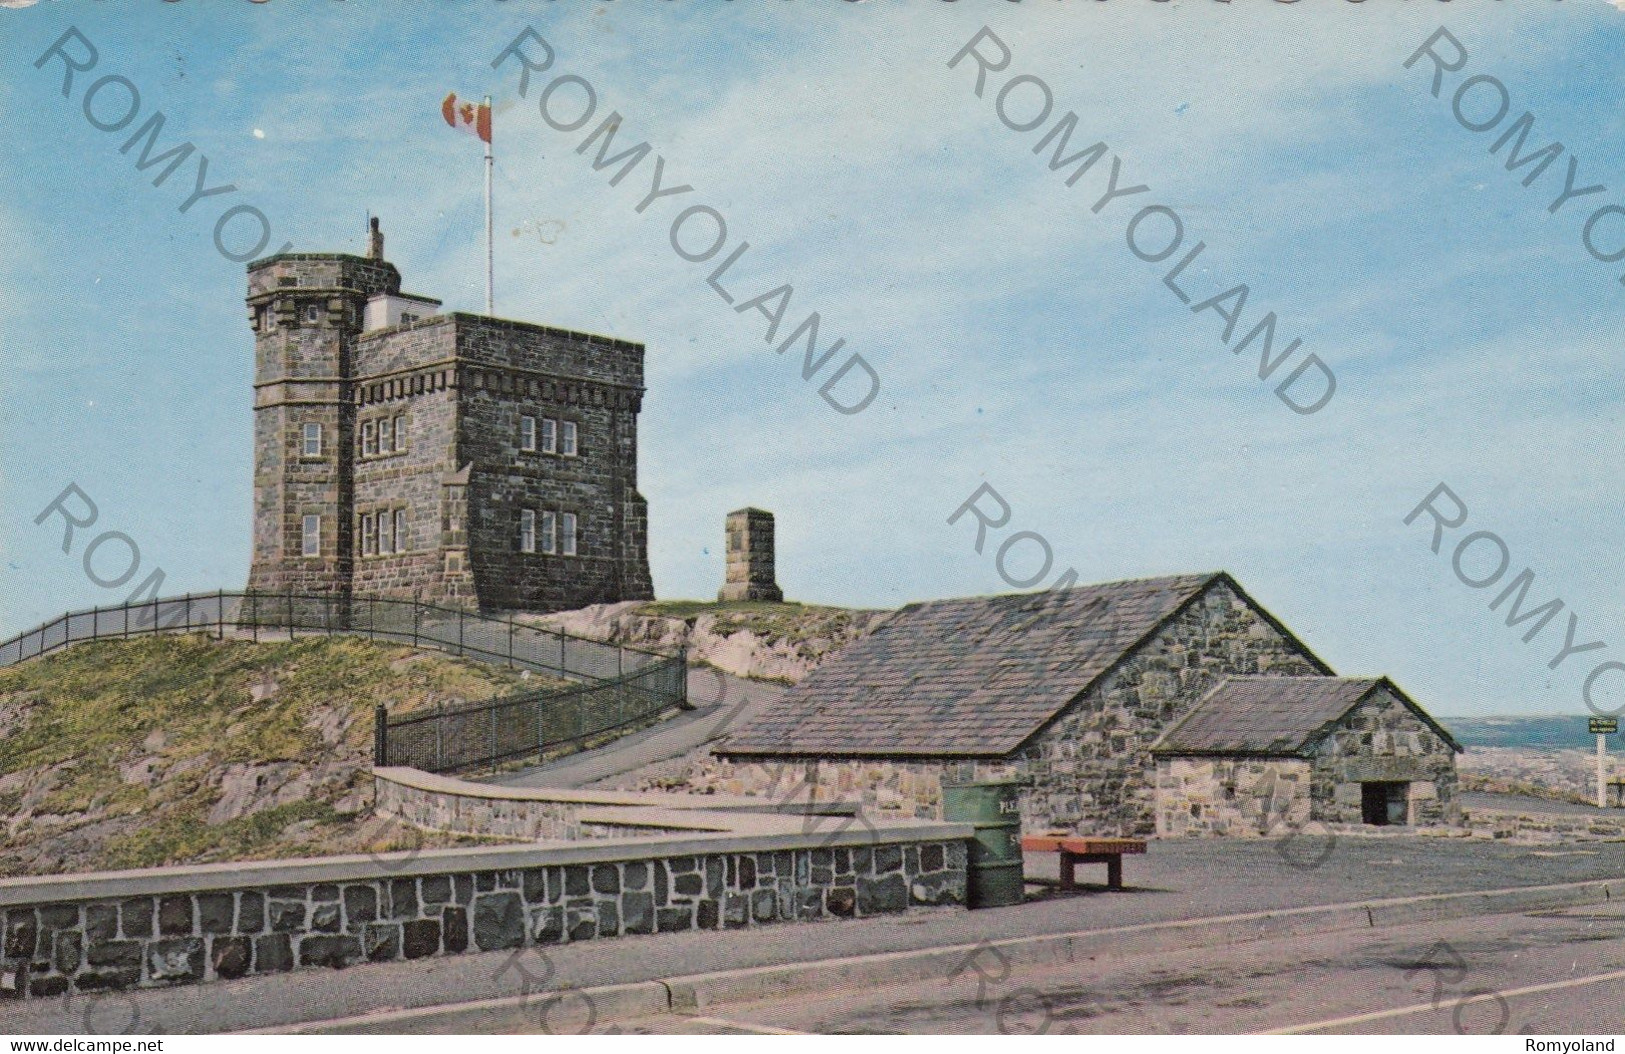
550,436
567,544
313,313
527,435
549,533
369,439
527,530
386,435
567,439
400,431
386,533
400,531
312,536
369,541
312,446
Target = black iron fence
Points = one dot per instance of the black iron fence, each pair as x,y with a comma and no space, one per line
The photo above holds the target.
405,620
471,735
620,686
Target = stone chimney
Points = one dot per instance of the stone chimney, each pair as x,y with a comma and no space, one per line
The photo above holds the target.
750,574
375,240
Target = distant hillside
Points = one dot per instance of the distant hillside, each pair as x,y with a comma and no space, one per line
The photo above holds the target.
1536,733
183,749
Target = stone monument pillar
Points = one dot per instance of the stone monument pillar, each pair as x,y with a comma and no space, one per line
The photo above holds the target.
750,558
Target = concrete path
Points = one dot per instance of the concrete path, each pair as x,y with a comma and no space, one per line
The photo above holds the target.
722,703
1178,880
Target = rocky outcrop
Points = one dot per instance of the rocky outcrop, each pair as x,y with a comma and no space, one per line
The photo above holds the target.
775,643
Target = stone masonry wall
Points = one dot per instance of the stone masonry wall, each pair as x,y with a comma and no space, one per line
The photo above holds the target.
1232,796
1092,769
404,374
906,789
170,938
1383,740
594,383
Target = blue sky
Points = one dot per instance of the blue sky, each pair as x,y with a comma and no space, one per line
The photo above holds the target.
1018,341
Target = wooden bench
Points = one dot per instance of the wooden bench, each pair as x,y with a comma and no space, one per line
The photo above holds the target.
1076,850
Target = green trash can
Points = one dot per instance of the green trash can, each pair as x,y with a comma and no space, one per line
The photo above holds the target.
993,807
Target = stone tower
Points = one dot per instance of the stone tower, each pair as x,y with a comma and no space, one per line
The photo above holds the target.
306,311
750,574
471,461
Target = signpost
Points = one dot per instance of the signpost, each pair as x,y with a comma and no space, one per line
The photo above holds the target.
1602,728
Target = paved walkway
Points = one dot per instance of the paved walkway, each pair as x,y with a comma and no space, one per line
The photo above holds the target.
722,703
1174,880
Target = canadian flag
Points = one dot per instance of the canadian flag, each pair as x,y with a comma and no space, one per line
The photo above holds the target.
468,116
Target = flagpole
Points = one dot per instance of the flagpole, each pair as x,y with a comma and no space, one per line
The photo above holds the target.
490,268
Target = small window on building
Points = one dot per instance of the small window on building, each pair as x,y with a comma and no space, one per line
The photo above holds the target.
313,313
312,445
550,533
369,541
400,531
567,543
312,539
386,435
527,530
400,431
527,434
386,533
550,436
289,280
567,438
407,318
369,439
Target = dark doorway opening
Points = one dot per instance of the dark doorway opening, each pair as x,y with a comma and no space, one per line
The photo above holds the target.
1385,804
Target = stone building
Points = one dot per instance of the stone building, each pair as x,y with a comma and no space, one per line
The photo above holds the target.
477,461
1068,688
1267,755
749,571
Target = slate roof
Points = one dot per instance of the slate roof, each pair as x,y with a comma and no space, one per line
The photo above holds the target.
974,677
1275,716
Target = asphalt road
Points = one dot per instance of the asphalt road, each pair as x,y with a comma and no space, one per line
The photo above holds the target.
1550,972
721,703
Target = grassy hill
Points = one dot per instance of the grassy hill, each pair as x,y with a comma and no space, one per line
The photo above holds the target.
184,749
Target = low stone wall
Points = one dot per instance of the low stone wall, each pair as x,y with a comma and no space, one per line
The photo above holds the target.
445,803
1535,827
184,925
